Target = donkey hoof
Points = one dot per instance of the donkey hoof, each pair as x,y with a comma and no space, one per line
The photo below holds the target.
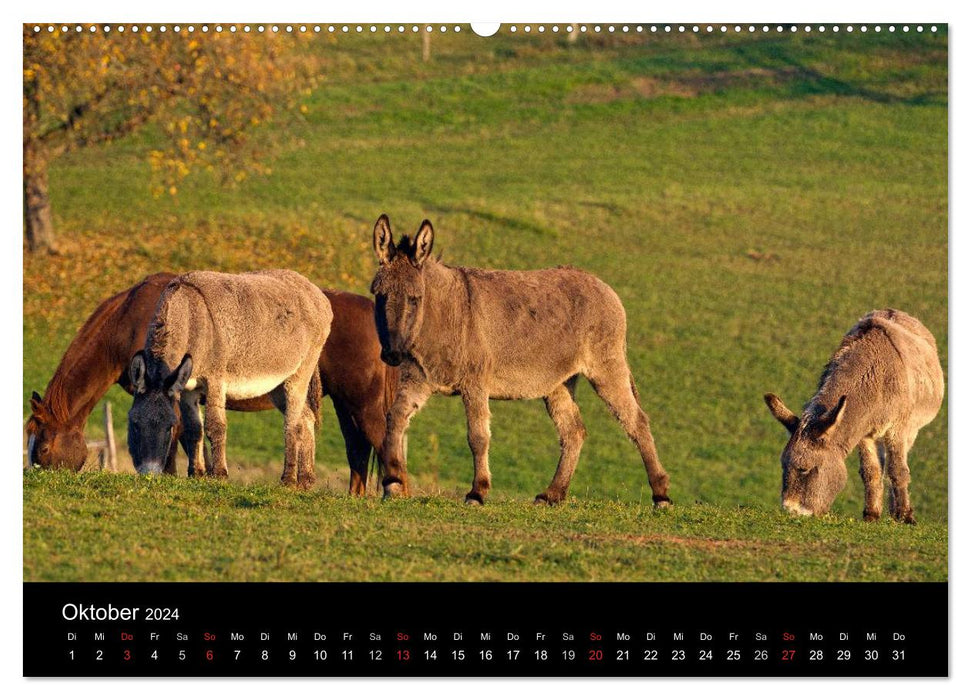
545,499
221,473
870,516
474,499
662,502
394,489
904,516
306,482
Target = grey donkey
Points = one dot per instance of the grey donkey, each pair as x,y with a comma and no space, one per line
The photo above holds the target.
882,385
225,336
500,334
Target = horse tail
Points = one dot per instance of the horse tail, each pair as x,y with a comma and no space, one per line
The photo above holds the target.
375,466
390,386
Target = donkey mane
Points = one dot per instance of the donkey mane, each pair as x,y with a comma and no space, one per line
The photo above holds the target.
158,330
852,340
406,246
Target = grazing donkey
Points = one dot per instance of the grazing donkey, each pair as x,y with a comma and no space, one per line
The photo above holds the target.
230,337
499,334
360,385
883,384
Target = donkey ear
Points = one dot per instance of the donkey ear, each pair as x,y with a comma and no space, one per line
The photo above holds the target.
383,240
833,416
781,413
424,240
136,372
175,382
36,403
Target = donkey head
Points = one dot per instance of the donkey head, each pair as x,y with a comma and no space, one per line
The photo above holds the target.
51,443
813,465
153,419
399,288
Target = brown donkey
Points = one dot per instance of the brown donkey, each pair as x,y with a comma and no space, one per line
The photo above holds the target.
230,336
883,384
499,334
360,385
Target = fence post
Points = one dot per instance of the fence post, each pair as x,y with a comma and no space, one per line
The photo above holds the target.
111,460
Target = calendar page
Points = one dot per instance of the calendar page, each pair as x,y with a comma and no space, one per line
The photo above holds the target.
523,349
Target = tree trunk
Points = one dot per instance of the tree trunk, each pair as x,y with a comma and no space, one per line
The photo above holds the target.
38,226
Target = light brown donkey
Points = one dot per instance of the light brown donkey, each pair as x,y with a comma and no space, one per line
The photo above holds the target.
499,334
882,385
230,337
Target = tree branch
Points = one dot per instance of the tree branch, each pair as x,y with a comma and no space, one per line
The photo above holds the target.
121,129
76,113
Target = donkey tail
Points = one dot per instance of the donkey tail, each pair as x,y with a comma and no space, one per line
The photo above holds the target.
315,393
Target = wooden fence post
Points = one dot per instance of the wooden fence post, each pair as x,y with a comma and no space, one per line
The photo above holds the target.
111,458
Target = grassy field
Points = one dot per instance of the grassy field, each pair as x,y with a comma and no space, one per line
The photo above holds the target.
126,528
748,199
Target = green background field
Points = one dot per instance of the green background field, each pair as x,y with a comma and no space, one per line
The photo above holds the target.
747,197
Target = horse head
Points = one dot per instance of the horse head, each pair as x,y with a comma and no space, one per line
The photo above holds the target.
52,443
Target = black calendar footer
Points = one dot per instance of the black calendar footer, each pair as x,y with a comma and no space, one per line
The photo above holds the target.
485,629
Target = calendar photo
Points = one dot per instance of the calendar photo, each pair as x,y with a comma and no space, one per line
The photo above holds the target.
570,303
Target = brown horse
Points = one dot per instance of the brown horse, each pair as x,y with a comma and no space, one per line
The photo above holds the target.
360,385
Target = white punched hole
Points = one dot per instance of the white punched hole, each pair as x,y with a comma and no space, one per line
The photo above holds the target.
485,28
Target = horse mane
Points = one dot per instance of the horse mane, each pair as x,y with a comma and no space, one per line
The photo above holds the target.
92,363
90,342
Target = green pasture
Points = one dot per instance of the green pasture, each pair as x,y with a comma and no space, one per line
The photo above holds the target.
749,198
128,528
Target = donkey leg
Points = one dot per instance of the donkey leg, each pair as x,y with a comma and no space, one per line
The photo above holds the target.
565,413
297,471
477,415
408,401
280,399
215,429
299,425
192,438
899,471
308,449
614,384
872,474
357,448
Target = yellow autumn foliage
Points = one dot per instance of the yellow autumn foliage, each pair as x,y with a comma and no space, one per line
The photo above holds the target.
93,87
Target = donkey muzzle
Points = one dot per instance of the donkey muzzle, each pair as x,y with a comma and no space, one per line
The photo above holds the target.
150,467
795,508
